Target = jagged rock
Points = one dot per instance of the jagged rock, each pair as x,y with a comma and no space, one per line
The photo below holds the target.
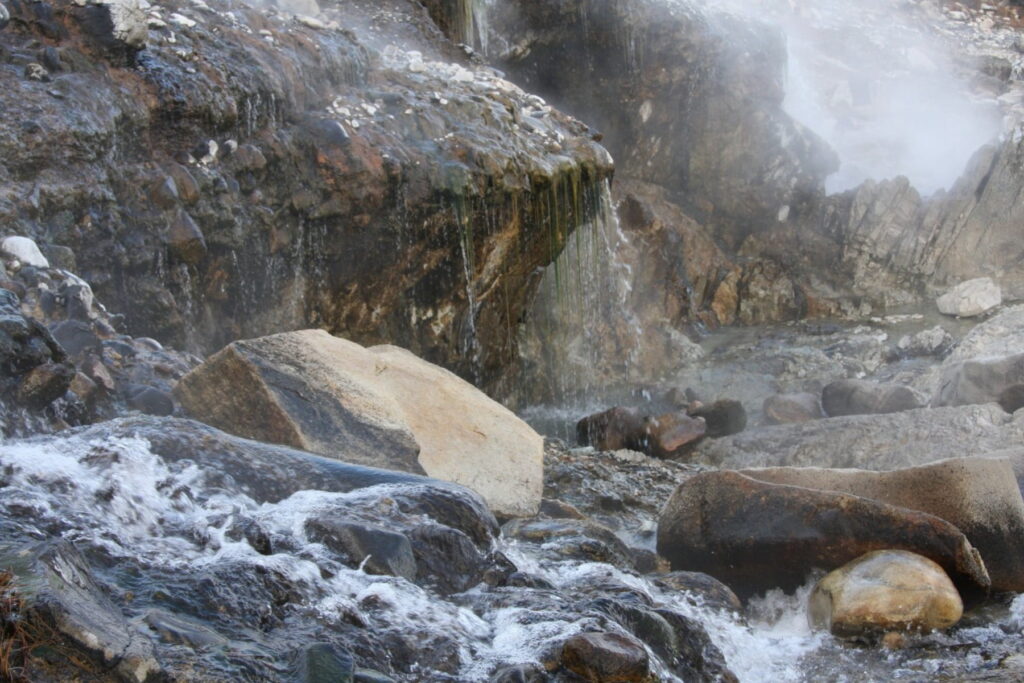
606,658
861,397
971,298
723,417
24,250
886,590
979,496
380,406
755,536
983,380
789,408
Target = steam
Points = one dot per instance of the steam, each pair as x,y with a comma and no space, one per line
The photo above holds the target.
878,80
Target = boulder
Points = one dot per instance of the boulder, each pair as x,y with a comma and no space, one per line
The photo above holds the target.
665,436
606,658
612,430
24,251
883,591
979,496
971,298
379,406
376,549
672,434
723,417
983,380
786,408
861,397
754,536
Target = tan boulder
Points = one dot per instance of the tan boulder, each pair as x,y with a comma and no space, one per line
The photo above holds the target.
379,407
883,591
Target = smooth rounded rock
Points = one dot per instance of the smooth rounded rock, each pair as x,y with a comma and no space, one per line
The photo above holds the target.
861,397
883,591
971,298
723,417
25,250
789,408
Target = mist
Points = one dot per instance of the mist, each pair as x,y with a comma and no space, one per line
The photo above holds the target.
881,85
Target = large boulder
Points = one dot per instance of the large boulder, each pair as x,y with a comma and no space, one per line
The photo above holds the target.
887,590
755,535
861,397
971,298
979,496
983,380
381,407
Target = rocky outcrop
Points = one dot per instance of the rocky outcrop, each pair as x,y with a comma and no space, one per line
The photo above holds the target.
380,407
216,183
755,536
888,590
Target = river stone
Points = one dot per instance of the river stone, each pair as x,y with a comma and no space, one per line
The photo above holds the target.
979,496
706,590
380,406
24,250
971,298
671,435
886,590
755,536
606,658
723,417
376,549
612,430
982,380
861,397
787,408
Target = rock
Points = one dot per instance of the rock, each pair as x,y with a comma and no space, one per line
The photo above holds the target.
932,342
520,673
861,397
65,600
755,536
612,430
76,337
185,240
24,251
45,383
580,540
971,298
377,550
1011,399
5,17
671,435
979,381
606,658
37,72
979,496
447,558
883,591
723,417
787,408
151,401
999,336
705,591
325,663
380,406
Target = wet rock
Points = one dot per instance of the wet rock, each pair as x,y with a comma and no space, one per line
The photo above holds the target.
326,663
789,408
704,589
611,430
606,658
181,630
933,342
64,598
883,591
979,381
24,251
971,298
672,435
755,536
447,558
150,400
574,539
185,240
520,673
377,550
979,496
723,417
383,405
45,383
861,397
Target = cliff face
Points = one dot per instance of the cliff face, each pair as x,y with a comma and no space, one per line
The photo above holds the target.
217,171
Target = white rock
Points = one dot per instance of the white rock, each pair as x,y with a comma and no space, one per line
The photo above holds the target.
131,25
24,250
971,298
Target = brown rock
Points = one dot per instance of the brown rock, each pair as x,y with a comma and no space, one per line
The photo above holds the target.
45,383
885,591
669,435
185,240
612,430
755,536
606,658
787,408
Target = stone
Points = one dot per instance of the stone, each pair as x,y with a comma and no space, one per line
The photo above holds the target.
885,591
24,250
723,417
1011,399
980,496
612,430
704,590
520,673
185,240
45,383
861,397
672,435
325,663
376,549
380,406
581,540
150,400
982,380
37,72
931,342
755,536
448,560
5,17
971,298
76,337
788,408
606,658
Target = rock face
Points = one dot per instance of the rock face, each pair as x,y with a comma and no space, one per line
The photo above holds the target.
979,496
754,536
860,397
332,194
380,406
970,299
887,590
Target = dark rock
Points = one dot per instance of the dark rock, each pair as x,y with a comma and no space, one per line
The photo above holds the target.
370,676
755,536
1011,399
703,589
573,539
526,580
326,663
185,240
788,408
45,384
861,397
723,417
606,658
557,509
165,193
181,630
76,337
611,430
672,435
151,401
981,380
50,58
253,533
448,560
384,552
